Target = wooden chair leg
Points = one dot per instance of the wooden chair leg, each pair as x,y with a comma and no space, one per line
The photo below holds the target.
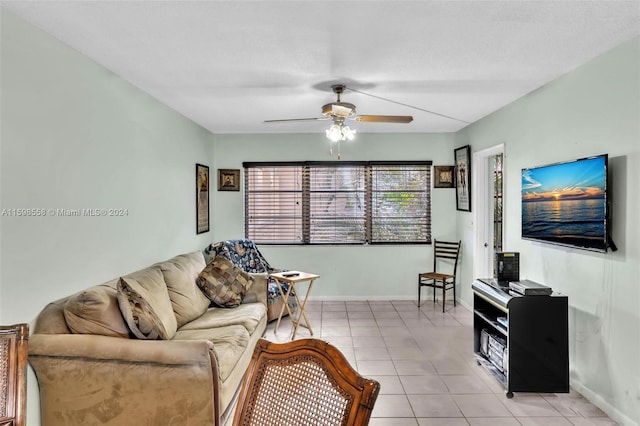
419,288
444,294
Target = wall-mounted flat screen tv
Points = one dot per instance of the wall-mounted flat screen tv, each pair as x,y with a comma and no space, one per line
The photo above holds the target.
566,203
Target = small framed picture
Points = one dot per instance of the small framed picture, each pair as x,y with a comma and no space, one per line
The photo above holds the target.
443,177
463,178
228,180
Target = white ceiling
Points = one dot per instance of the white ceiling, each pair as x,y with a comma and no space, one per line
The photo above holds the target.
230,65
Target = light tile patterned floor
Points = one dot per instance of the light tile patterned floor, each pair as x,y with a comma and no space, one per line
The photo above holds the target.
423,360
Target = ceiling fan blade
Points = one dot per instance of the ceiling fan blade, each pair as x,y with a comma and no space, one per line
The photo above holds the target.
297,119
384,118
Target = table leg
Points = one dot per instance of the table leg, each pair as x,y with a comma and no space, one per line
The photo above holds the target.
285,299
302,313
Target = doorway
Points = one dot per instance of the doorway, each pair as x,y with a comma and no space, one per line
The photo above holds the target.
488,207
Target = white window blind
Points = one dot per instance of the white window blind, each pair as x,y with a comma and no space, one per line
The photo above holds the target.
273,204
338,202
401,205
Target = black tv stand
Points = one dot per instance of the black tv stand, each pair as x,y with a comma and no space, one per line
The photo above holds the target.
534,331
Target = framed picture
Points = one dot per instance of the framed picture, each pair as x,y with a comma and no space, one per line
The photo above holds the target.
443,177
228,180
202,198
462,157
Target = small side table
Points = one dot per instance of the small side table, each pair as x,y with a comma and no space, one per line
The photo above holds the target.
293,280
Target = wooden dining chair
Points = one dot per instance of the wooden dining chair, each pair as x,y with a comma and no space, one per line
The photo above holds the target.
13,374
304,382
443,252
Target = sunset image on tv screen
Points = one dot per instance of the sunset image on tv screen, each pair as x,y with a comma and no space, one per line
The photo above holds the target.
566,203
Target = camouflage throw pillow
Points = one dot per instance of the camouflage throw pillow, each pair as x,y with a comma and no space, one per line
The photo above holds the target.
224,283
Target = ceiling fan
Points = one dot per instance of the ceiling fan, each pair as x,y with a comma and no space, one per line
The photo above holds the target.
339,112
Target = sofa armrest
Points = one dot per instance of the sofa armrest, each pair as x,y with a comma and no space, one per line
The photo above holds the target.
258,290
89,379
170,352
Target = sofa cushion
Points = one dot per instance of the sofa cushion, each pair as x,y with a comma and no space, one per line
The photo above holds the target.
51,319
180,274
224,283
145,305
229,343
96,311
257,293
247,315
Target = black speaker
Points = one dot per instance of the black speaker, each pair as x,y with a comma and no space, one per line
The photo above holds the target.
507,266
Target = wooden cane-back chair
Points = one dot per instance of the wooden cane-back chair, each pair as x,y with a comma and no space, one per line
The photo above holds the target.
447,251
13,374
305,382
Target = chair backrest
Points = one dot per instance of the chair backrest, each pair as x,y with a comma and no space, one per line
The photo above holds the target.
13,374
446,250
303,382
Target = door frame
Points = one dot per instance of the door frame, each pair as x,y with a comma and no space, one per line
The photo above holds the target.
483,209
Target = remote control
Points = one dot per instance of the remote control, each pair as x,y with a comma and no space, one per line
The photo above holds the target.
290,274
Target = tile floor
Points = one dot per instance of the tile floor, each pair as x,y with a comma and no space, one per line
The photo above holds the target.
423,360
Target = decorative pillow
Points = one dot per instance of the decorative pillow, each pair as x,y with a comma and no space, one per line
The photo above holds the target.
145,305
224,283
96,311
180,275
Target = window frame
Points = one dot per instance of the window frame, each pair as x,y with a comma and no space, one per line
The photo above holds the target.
306,166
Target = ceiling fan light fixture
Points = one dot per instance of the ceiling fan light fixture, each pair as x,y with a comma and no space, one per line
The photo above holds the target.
334,134
339,132
348,133
339,112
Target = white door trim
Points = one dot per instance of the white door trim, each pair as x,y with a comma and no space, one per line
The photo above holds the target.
483,210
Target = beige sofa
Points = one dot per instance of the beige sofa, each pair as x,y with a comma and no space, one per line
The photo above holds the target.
92,369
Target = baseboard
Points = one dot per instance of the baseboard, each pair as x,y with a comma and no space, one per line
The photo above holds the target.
599,402
359,298
380,299
465,305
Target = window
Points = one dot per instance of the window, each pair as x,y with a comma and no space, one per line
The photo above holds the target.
336,205
338,202
497,203
273,204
